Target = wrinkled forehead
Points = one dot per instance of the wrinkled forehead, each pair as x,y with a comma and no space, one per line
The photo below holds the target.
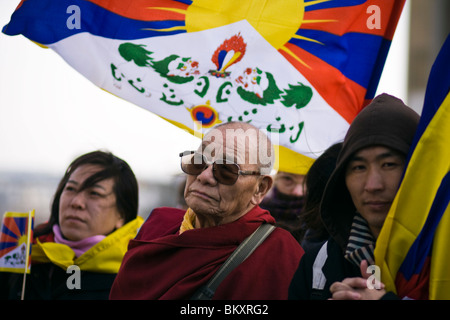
235,145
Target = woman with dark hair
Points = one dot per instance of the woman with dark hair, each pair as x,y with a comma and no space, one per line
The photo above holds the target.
311,231
78,252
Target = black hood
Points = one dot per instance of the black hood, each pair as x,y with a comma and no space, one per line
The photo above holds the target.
386,121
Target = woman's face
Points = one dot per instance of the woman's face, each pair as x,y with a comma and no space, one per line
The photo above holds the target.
92,211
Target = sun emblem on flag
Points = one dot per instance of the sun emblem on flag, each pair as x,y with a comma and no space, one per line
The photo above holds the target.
304,32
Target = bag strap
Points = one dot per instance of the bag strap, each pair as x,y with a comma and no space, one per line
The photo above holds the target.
242,252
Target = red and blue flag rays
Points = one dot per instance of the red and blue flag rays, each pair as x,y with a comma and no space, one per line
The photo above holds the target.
13,231
15,237
109,19
340,52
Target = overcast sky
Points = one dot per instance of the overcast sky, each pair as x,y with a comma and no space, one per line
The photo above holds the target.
50,114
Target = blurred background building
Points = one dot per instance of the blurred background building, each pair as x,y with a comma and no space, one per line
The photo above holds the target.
429,26
21,192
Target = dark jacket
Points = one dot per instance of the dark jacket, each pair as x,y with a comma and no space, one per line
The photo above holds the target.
388,122
335,269
49,282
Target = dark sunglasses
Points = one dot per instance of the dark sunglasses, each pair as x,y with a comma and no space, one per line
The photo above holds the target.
225,172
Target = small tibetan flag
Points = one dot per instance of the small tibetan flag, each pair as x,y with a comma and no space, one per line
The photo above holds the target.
15,241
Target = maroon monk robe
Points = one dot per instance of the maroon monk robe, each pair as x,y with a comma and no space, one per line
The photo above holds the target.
162,264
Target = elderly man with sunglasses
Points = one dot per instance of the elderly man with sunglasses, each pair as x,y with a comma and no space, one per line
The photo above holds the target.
177,252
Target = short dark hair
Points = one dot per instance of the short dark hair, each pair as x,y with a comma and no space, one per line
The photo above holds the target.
125,186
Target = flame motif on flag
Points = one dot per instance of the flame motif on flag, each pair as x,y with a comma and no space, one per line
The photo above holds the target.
228,53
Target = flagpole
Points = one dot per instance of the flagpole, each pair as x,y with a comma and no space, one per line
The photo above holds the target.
26,255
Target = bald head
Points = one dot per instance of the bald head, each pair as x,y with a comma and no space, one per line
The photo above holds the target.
251,145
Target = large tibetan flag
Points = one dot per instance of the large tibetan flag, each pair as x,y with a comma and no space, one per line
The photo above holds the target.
301,70
412,248
15,241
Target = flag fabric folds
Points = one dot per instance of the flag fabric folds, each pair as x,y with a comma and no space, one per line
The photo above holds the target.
298,70
412,248
15,241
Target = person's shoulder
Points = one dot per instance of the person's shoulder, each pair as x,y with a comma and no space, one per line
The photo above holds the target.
166,213
282,238
160,222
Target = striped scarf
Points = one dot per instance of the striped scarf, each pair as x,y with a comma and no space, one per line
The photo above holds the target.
361,243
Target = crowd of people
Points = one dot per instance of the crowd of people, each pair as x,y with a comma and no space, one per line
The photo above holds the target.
221,243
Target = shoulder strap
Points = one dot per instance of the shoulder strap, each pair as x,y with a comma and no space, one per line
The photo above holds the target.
242,252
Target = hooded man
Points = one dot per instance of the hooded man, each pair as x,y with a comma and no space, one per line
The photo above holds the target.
358,197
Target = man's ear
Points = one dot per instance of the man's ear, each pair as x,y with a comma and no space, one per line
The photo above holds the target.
264,185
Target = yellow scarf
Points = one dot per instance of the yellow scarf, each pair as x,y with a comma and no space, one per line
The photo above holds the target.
105,257
188,221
